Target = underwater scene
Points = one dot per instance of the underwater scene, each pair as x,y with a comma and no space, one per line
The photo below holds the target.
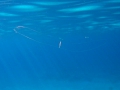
59,44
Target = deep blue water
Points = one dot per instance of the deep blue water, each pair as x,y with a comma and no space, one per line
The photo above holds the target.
73,41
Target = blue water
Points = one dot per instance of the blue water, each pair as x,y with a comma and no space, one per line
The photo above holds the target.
60,45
